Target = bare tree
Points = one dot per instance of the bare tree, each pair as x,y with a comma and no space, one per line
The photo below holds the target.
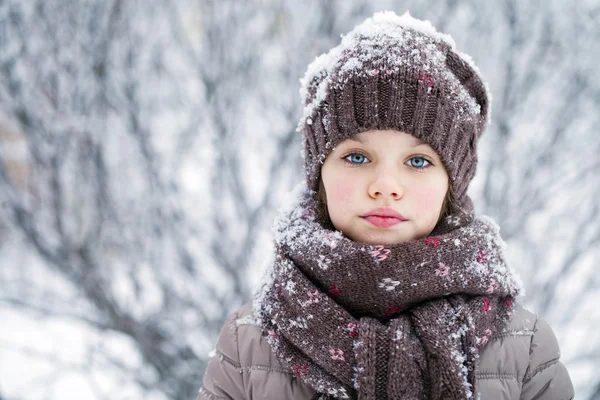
100,213
124,245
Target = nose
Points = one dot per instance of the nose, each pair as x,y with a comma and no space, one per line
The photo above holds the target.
385,185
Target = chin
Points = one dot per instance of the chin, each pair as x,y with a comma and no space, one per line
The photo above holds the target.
385,238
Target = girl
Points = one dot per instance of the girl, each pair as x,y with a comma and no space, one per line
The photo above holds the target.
385,284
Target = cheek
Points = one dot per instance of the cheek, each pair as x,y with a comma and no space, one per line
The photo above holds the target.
430,198
341,193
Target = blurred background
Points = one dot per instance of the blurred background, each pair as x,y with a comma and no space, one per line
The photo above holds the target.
145,147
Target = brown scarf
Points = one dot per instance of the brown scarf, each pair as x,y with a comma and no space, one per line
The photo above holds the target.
375,322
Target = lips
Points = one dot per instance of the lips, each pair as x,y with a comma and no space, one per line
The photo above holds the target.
383,217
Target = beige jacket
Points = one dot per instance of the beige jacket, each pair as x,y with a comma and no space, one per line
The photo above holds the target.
520,363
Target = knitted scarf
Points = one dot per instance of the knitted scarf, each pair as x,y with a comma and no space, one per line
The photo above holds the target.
375,322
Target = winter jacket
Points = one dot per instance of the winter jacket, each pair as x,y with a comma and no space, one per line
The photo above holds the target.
522,362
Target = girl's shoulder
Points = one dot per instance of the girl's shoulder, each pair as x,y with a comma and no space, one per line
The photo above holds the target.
524,336
528,329
243,365
242,335
521,323
243,339
524,357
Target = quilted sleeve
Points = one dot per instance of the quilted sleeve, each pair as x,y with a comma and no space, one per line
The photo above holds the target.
546,377
223,377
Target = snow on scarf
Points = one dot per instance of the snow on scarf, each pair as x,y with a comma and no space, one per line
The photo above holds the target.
360,321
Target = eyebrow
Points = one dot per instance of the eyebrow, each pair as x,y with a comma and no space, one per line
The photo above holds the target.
415,141
356,139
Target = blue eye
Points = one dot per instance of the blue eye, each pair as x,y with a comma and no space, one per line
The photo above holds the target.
356,158
418,162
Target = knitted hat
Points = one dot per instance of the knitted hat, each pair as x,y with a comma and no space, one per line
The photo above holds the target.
399,73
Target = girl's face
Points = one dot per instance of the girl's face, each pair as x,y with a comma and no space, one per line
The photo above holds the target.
376,172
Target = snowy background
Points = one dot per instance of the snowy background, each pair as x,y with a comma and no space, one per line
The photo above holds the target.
145,147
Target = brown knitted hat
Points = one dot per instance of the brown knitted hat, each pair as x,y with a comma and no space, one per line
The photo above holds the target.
399,73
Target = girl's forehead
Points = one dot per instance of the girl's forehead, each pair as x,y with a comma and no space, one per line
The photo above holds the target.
373,136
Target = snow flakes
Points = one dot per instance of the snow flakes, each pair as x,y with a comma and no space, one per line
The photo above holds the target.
247,320
460,359
406,21
308,215
461,331
326,125
523,332
388,284
398,335
290,287
396,42
331,238
490,259
323,262
292,226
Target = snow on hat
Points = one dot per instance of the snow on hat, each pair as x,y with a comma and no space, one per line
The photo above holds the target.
395,72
